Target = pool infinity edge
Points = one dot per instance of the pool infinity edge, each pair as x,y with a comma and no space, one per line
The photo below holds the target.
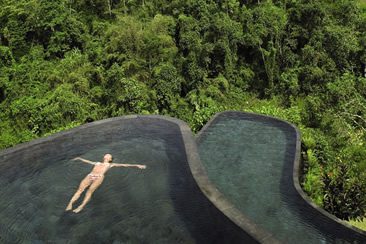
297,171
200,175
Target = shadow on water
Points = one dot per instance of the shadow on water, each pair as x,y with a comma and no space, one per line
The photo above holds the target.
203,220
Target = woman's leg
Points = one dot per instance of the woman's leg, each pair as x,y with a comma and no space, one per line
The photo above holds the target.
83,185
96,183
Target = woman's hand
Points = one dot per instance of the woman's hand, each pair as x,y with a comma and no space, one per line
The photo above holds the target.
141,166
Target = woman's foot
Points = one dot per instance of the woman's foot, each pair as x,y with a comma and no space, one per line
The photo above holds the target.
78,209
69,207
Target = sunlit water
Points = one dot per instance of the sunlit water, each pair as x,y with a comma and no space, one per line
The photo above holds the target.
251,163
161,204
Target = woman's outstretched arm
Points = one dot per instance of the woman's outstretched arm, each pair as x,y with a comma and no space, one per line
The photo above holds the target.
140,166
85,160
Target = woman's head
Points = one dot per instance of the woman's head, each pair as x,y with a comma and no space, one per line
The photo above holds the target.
108,158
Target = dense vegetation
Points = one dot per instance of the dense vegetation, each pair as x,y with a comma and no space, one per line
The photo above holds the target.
64,63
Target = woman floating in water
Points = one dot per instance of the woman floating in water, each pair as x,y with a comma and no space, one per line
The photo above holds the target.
95,179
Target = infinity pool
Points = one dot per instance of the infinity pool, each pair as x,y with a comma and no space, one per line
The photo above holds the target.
161,204
245,176
250,159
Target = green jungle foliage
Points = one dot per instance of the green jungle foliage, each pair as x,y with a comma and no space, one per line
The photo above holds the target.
65,62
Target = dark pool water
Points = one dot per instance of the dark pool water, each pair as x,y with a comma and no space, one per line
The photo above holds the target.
161,204
250,160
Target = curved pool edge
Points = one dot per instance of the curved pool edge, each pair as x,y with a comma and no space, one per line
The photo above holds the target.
187,136
199,173
221,202
248,225
56,135
297,173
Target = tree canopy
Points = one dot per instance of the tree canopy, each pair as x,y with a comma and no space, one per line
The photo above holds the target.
64,63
